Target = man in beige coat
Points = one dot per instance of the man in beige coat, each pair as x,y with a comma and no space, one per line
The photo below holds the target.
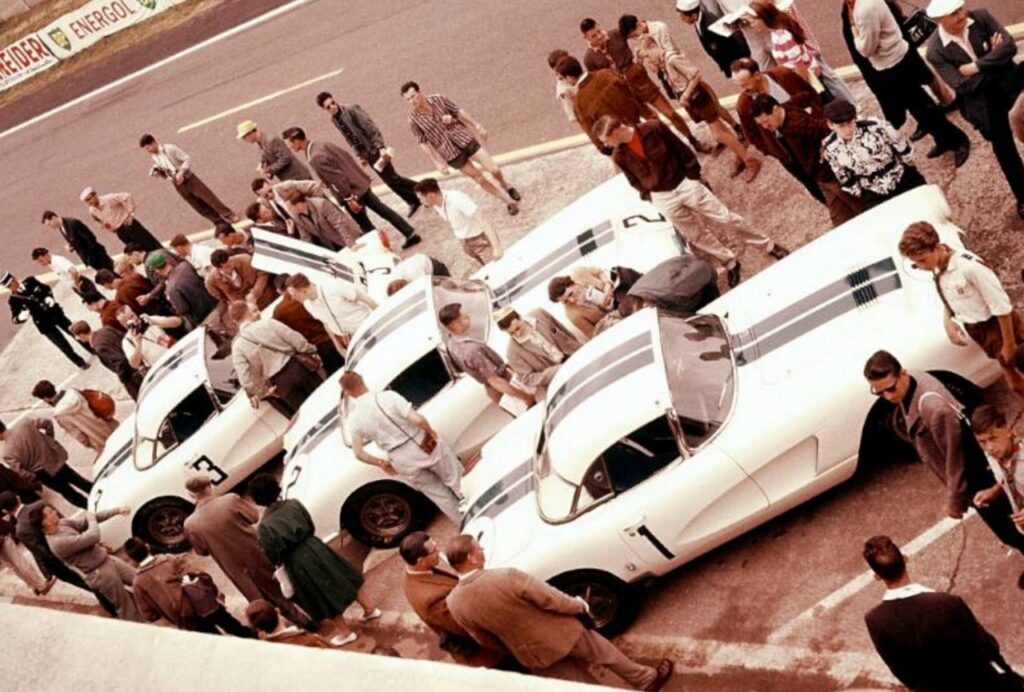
73,414
537,623
537,347
318,220
224,527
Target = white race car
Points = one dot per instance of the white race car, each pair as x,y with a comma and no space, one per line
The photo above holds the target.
401,346
191,416
664,437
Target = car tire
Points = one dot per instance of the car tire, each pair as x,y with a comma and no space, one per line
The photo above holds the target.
161,524
381,514
613,602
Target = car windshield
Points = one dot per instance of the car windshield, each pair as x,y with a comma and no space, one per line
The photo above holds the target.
700,371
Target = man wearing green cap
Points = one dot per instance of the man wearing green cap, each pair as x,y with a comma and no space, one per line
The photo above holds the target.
185,290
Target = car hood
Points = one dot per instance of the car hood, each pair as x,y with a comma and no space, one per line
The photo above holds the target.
116,450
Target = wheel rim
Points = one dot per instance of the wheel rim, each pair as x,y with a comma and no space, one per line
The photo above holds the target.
166,525
386,515
603,600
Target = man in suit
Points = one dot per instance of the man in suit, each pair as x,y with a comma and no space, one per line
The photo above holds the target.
508,609
319,221
32,299
185,289
538,346
599,93
276,160
30,444
80,240
724,50
426,587
172,163
974,54
107,343
336,168
931,641
272,197
366,140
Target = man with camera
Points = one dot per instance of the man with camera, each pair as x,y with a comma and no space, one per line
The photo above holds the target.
171,163
145,340
414,450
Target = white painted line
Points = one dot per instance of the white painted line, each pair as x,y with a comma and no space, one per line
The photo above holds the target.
262,99
245,26
858,583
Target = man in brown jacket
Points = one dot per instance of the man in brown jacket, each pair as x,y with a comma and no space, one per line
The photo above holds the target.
233,278
426,587
224,527
537,623
158,593
292,313
538,346
602,92
319,221
932,418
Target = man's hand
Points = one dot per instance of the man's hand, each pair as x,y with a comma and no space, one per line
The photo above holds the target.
1018,518
447,119
144,299
497,254
385,157
969,70
355,206
955,333
585,605
254,401
954,512
67,246
483,134
179,178
443,170
997,40
124,511
983,498
289,226
387,467
1007,352
272,392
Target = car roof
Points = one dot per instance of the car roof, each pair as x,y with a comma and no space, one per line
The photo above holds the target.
171,379
613,385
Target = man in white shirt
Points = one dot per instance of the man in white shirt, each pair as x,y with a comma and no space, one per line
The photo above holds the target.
975,301
463,216
170,162
64,269
341,306
415,452
197,255
145,340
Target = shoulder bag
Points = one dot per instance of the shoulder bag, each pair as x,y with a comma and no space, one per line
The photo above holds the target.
427,444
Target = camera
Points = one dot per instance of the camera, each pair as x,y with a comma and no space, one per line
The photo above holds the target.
136,328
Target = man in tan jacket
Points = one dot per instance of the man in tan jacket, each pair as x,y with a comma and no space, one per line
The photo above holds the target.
538,346
507,608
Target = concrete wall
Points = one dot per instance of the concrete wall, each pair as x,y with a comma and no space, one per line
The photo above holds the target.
50,651
11,8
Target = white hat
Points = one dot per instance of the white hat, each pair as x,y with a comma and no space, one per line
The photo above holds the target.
87,193
687,5
943,8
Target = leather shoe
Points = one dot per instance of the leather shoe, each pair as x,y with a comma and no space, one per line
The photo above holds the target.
778,252
752,168
414,239
413,208
664,670
962,153
514,194
512,208
936,151
732,276
919,133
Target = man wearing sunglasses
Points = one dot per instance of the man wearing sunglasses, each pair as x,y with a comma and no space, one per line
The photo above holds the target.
933,420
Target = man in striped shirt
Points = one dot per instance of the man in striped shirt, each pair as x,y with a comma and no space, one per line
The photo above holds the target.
443,130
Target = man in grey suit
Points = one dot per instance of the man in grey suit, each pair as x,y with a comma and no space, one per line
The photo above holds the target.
538,346
276,161
506,609
318,220
974,54
336,168
30,445
366,140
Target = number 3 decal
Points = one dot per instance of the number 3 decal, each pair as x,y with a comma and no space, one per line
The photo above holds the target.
217,474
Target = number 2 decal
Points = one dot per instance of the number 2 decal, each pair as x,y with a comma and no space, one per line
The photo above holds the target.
218,475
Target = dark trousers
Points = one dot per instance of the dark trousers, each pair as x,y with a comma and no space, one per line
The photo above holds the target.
997,517
1000,136
221,621
202,199
439,268
135,232
72,486
906,88
371,201
401,185
52,329
911,178
332,360
97,259
294,382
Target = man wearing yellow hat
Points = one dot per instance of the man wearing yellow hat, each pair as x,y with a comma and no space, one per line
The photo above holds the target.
276,159
974,54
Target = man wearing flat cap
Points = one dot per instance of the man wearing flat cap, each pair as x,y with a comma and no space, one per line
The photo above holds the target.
116,213
974,54
538,345
185,289
869,157
477,359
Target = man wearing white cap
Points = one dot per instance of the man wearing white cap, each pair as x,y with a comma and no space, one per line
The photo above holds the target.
724,50
276,159
974,53
116,213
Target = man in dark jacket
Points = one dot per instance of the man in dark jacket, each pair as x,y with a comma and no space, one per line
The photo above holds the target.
599,93
666,172
32,299
366,140
185,290
276,161
986,80
724,50
107,344
30,445
931,641
336,168
80,240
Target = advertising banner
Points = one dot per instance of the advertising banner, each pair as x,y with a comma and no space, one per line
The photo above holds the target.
78,30
22,59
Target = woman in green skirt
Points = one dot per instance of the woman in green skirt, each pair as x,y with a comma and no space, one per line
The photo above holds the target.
323,582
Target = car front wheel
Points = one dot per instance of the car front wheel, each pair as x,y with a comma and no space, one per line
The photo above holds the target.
613,603
161,523
380,515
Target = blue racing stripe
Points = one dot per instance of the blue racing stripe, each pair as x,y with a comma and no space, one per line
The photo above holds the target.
494,493
387,323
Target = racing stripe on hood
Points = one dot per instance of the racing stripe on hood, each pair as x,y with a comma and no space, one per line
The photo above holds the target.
166,367
863,288
388,323
555,261
503,493
326,424
115,460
